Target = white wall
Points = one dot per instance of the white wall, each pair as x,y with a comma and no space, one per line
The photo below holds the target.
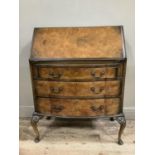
35,13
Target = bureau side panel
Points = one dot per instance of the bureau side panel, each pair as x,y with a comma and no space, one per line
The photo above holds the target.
33,73
123,70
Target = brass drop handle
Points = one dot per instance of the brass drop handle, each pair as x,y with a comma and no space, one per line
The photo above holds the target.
55,75
56,90
97,109
97,75
57,108
97,90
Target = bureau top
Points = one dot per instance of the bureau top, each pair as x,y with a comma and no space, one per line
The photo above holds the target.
78,42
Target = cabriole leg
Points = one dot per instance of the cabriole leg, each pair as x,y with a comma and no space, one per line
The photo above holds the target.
35,119
121,120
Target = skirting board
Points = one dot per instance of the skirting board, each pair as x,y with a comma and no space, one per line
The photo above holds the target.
26,111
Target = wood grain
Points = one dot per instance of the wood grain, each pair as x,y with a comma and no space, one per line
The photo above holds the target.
75,73
84,42
77,89
68,107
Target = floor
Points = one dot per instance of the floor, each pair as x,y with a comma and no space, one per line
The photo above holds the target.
61,137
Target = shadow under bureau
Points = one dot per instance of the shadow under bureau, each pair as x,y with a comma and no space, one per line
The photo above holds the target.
78,73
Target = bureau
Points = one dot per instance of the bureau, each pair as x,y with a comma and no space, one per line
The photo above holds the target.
78,73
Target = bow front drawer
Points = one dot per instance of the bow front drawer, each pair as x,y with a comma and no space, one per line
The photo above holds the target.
68,107
77,89
76,73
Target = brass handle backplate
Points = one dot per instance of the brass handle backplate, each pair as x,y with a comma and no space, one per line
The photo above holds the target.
55,75
56,90
97,90
97,109
57,108
97,75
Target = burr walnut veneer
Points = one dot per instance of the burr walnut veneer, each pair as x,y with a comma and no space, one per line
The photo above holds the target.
78,73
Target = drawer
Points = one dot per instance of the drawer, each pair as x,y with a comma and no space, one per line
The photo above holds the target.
76,73
81,107
77,89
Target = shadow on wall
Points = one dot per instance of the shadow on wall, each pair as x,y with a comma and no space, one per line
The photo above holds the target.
25,89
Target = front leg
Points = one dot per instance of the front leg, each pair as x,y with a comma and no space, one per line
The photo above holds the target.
121,120
35,119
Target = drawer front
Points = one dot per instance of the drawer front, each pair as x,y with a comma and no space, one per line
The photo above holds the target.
77,89
76,73
75,107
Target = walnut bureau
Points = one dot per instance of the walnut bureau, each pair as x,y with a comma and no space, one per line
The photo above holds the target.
78,73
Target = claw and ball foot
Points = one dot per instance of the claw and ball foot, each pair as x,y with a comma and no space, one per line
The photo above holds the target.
121,120
35,119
